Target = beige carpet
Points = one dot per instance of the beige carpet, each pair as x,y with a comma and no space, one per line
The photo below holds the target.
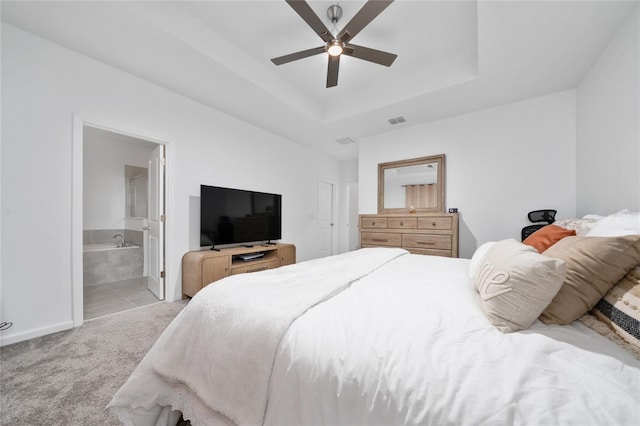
68,378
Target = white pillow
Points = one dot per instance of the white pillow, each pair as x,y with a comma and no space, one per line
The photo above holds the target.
477,258
593,216
610,231
618,224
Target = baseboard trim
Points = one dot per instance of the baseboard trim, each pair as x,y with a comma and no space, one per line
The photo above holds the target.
30,334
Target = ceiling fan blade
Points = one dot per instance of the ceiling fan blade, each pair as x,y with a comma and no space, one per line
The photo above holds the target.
298,55
332,71
303,9
371,55
369,11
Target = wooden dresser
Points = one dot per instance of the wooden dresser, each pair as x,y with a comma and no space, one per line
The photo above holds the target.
421,233
202,267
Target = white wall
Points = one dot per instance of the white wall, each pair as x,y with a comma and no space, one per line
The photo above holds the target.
608,127
501,163
43,85
103,189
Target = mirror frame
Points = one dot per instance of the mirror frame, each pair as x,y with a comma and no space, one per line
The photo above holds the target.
438,159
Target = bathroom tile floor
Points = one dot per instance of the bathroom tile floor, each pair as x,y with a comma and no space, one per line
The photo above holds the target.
104,299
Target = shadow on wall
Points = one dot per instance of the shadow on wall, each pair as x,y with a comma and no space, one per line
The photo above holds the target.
194,223
467,242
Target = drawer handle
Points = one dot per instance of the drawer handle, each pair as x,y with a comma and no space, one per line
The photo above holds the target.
433,223
373,224
426,243
401,223
379,240
257,269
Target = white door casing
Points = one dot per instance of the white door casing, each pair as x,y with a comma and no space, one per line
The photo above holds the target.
155,203
79,122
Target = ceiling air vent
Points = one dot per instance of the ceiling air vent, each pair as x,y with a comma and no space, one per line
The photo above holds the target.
397,120
346,141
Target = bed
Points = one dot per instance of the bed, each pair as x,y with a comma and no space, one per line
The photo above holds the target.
384,337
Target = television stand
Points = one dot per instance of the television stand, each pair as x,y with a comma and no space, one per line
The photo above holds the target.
202,267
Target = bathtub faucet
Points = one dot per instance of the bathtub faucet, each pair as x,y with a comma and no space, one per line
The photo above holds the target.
121,239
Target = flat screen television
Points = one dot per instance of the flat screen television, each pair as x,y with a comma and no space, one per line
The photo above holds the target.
236,216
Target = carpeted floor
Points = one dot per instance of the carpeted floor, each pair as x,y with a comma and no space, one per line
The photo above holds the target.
68,378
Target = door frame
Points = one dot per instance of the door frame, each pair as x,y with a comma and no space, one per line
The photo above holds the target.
77,146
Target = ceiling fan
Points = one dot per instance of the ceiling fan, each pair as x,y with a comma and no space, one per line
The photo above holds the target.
339,45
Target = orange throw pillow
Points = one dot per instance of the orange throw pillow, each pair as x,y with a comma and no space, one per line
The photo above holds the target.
547,236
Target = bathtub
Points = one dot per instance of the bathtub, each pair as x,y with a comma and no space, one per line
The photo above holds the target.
104,263
104,246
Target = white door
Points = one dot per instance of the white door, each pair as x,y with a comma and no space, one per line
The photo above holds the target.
325,219
155,280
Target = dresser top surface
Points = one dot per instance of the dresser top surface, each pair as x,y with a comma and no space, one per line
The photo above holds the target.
435,214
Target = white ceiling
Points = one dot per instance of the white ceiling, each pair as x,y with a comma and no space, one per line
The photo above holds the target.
453,56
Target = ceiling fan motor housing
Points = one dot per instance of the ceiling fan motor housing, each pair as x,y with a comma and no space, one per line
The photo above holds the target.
334,13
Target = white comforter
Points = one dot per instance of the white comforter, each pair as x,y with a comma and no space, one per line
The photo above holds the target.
408,344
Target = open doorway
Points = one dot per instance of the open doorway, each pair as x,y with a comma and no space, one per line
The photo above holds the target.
122,223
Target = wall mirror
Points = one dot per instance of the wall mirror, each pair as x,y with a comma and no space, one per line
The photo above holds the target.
136,180
415,185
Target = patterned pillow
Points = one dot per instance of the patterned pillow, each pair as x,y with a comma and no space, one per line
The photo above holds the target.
620,308
516,283
581,226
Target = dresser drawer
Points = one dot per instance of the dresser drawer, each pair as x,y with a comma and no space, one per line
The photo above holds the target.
440,222
403,222
426,241
430,252
373,222
381,239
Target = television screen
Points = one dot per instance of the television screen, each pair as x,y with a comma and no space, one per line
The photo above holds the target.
235,216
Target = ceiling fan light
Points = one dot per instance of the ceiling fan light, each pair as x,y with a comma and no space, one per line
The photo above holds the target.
334,48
